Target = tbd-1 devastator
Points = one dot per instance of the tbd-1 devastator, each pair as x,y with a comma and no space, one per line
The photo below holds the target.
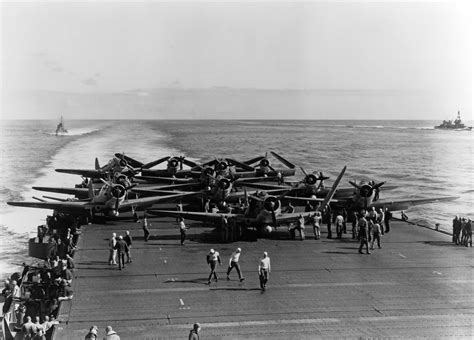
226,167
366,195
262,213
117,165
109,201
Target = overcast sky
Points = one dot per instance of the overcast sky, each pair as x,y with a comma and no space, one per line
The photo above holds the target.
106,46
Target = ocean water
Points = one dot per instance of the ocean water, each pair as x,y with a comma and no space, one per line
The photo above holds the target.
421,161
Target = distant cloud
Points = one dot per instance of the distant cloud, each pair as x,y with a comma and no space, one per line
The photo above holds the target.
57,69
97,75
89,82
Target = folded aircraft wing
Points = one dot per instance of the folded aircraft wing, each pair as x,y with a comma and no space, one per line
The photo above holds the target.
68,206
78,192
405,204
82,172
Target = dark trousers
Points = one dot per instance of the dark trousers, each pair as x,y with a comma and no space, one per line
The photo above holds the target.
329,231
387,226
339,229
121,260
146,233
364,242
213,270
263,278
236,266
183,236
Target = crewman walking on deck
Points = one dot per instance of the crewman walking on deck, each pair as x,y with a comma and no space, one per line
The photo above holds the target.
234,263
122,249
128,240
264,269
112,250
182,229
146,231
363,233
212,259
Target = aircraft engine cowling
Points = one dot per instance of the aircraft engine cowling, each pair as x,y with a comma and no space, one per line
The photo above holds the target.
264,163
173,163
271,203
221,166
366,190
123,163
97,208
118,191
310,179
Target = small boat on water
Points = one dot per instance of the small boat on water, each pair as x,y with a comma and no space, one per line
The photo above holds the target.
61,129
456,125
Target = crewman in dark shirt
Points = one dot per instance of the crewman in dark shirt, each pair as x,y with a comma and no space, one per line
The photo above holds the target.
122,249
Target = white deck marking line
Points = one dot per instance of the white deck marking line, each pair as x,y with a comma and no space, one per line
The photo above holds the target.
383,319
292,285
181,302
435,272
402,256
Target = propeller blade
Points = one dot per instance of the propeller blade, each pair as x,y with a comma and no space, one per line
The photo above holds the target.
189,163
354,184
304,172
271,168
377,186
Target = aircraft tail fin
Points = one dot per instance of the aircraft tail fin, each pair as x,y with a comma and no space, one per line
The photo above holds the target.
97,165
91,190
